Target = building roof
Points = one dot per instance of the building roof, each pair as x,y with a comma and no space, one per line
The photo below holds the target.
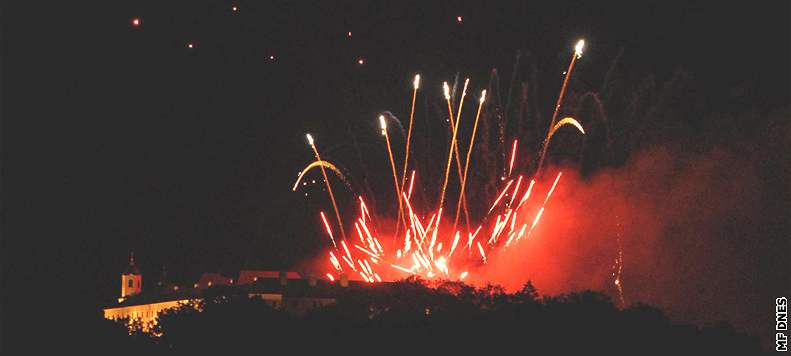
213,279
251,276
132,268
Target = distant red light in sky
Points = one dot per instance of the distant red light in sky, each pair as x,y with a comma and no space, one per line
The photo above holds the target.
190,45
458,19
349,34
361,61
234,8
272,58
135,22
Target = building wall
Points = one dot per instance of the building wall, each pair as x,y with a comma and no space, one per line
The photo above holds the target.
146,313
137,281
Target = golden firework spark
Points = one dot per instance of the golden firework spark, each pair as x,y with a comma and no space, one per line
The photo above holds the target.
315,164
455,146
577,54
453,138
416,85
467,160
566,121
578,48
383,126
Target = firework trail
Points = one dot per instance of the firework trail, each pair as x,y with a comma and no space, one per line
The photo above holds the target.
577,54
327,182
455,146
416,85
329,230
618,266
513,156
383,126
453,139
467,161
503,122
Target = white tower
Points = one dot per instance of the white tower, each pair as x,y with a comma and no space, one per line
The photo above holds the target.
131,280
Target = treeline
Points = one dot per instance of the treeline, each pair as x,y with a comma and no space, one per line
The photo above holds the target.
409,317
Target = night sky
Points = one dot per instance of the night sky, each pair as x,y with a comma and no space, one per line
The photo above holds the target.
179,137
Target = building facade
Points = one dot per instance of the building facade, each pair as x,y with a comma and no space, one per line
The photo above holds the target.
283,290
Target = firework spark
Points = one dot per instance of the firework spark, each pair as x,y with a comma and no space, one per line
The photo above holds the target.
329,230
513,157
553,187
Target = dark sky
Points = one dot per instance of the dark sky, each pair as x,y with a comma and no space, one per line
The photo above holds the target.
118,138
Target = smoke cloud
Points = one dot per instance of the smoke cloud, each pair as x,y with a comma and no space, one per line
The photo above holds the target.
691,226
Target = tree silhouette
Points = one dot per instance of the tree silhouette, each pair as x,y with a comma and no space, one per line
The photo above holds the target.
415,316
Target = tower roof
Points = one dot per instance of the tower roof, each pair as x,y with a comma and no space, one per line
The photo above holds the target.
132,268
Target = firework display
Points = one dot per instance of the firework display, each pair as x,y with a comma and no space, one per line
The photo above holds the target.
422,245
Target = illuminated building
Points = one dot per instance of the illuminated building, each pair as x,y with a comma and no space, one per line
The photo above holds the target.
289,291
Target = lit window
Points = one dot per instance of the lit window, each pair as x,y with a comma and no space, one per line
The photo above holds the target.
130,284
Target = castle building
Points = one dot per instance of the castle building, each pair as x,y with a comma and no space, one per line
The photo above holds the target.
283,290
